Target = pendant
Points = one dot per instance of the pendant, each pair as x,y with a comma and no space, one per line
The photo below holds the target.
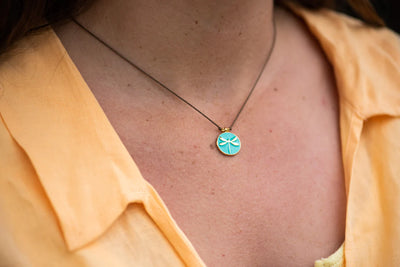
228,143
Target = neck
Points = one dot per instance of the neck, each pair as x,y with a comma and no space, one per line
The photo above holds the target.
209,43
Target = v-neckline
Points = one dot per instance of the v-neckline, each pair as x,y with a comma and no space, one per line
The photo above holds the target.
85,87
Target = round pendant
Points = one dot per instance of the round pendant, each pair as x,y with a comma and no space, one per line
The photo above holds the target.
228,143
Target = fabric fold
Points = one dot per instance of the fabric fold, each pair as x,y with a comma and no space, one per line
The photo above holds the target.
91,191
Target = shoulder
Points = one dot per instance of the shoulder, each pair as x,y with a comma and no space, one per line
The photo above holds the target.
365,59
30,60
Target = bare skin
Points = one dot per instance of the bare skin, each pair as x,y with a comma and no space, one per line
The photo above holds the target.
281,200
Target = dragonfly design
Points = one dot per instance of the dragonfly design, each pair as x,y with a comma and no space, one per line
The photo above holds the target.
234,142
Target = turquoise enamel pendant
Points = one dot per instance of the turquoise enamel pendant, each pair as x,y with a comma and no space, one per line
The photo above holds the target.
228,143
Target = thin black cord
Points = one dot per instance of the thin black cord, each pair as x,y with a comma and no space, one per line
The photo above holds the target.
172,92
259,75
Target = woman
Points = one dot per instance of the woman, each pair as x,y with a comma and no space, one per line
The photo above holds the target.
75,112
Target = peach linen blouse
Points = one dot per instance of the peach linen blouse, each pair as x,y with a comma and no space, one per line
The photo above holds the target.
71,195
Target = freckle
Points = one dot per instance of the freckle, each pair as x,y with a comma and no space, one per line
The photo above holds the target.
154,59
303,98
240,33
222,17
275,89
212,192
212,146
140,47
180,151
186,34
193,162
162,102
128,84
197,22
147,120
219,30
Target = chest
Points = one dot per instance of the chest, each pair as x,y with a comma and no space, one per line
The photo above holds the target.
281,198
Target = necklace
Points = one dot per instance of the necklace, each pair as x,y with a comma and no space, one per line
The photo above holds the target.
227,142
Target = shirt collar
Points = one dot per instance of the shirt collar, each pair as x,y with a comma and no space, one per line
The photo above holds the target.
366,60
78,157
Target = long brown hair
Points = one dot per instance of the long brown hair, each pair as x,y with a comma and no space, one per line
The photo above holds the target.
19,17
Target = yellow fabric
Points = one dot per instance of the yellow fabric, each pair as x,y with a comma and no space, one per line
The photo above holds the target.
335,260
61,162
